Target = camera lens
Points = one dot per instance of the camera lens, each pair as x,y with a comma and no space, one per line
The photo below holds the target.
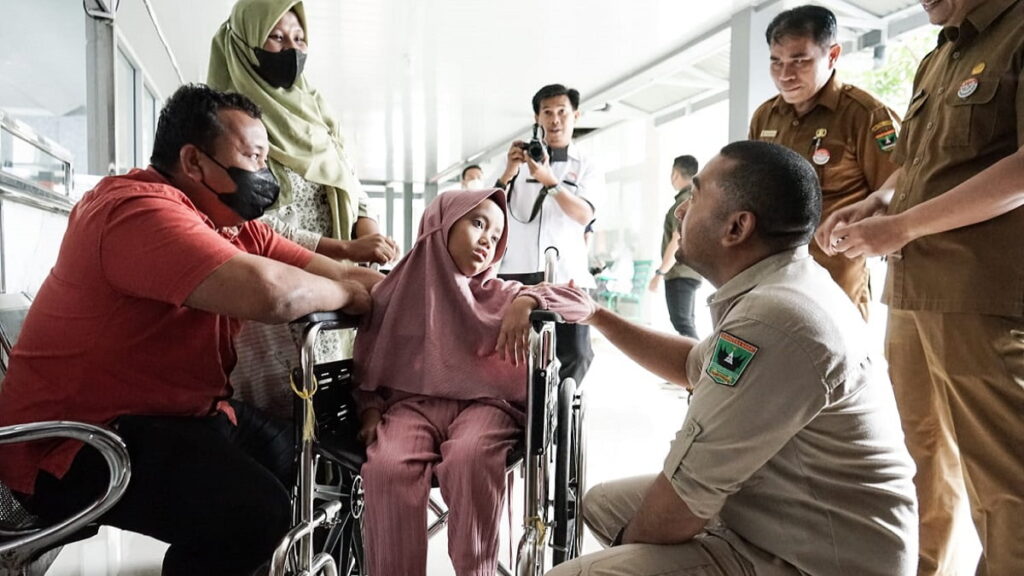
536,150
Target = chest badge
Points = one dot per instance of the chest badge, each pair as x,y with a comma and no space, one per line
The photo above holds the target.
978,68
769,133
967,88
820,133
821,156
731,358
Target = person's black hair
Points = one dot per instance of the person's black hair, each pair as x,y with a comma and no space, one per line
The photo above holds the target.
468,168
554,91
807,21
190,116
779,186
686,165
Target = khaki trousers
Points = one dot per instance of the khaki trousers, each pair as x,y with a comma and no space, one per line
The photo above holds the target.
717,552
959,385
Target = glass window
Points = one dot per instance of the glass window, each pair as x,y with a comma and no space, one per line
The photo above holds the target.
150,114
124,85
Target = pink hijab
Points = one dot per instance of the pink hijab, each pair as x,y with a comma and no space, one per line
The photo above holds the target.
432,330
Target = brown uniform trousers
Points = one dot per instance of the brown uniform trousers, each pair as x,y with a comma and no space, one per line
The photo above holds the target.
847,137
955,341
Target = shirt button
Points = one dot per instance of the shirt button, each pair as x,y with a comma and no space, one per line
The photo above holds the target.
903,196
917,161
956,55
796,122
930,124
941,90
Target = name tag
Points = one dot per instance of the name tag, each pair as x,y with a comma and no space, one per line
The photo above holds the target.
769,133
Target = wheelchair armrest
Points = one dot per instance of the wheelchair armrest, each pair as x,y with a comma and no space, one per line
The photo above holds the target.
338,318
542,316
109,446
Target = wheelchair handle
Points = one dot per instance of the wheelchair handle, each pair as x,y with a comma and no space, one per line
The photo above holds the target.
551,256
541,316
338,319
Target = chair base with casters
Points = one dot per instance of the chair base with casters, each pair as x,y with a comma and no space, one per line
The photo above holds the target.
28,546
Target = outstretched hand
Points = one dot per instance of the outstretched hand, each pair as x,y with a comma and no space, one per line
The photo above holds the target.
514,337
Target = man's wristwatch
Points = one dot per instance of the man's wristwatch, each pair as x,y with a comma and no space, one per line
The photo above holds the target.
659,273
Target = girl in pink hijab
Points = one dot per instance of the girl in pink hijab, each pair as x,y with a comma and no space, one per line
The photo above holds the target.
441,366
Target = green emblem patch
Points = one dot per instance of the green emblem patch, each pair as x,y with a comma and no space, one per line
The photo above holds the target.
885,135
731,358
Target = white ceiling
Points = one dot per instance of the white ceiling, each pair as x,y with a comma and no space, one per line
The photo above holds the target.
423,84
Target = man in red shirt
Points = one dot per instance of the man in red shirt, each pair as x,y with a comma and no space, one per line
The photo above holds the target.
133,329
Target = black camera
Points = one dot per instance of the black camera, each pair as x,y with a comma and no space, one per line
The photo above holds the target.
535,147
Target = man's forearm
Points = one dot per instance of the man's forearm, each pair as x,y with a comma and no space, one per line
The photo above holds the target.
658,352
663,517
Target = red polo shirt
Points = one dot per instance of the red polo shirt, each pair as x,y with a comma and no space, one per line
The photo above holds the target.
108,333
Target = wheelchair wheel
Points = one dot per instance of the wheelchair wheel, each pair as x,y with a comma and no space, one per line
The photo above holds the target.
344,540
569,475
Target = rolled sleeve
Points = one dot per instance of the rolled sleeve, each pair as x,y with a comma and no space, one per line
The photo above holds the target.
730,432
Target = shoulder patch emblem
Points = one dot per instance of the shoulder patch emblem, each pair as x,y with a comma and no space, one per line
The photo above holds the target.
885,135
731,358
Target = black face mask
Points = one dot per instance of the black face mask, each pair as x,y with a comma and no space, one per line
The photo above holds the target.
280,69
254,191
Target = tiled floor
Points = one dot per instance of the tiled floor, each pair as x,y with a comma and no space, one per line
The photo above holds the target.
632,416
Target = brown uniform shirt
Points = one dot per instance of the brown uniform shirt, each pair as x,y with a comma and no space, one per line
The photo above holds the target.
852,158
966,114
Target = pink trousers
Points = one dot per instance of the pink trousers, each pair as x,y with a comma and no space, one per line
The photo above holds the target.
464,444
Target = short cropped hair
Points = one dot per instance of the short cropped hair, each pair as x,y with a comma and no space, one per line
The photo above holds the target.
468,168
807,21
686,165
554,91
779,186
190,117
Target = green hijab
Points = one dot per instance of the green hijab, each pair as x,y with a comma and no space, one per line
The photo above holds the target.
304,134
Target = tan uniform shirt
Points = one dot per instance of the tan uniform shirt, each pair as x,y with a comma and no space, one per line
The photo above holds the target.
852,158
967,113
792,436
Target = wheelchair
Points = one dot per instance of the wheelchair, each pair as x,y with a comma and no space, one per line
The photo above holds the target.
328,505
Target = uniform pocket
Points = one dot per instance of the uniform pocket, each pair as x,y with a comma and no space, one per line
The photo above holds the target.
970,122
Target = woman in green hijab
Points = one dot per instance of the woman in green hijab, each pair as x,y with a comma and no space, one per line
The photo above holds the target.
260,52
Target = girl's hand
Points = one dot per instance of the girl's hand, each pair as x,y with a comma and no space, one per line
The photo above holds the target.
368,429
514,337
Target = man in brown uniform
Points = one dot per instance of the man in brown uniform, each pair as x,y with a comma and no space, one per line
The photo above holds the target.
955,238
842,130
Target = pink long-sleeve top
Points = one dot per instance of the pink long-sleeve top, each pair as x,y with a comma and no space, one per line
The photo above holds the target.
433,330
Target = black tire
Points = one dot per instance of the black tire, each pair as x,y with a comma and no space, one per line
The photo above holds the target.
568,479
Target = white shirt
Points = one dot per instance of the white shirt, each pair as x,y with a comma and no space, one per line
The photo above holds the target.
552,227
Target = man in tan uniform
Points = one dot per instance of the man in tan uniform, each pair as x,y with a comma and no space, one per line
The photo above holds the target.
842,130
955,238
791,442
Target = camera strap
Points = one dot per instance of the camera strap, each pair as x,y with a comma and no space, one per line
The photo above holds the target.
538,204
